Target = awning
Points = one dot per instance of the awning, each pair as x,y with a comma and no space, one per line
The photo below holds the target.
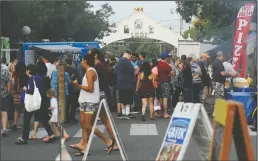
226,48
57,48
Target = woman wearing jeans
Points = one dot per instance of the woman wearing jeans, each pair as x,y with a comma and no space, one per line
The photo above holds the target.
40,82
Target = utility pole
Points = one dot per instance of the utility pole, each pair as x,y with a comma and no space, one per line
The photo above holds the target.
181,25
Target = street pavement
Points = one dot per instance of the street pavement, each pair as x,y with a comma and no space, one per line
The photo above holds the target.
141,140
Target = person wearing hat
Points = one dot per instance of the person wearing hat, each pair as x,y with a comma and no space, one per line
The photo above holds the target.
125,84
205,76
164,73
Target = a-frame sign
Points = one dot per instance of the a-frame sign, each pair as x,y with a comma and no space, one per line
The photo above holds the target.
189,121
230,121
103,104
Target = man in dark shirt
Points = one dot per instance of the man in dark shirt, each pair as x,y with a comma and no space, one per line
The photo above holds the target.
219,76
142,56
125,83
72,104
205,77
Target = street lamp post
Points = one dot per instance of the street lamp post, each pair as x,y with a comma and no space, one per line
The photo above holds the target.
26,32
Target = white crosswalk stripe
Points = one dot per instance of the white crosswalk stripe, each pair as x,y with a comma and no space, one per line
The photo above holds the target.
143,129
135,129
40,134
79,133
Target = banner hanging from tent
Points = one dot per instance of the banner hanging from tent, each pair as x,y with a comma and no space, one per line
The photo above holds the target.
243,22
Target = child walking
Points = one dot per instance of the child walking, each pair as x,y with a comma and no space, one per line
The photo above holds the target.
54,120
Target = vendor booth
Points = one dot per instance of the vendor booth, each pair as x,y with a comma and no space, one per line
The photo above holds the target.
242,48
31,52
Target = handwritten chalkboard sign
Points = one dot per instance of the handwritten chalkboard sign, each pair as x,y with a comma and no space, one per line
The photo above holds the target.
218,139
230,121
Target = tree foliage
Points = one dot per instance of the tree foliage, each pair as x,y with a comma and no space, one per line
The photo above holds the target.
192,32
55,20
213,18
151,47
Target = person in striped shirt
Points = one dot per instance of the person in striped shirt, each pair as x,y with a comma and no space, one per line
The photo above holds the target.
197,81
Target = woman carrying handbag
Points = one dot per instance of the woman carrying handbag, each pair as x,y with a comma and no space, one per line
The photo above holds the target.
35,84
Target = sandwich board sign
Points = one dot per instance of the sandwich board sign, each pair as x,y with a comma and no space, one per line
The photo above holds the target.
103,104
189,121
230,121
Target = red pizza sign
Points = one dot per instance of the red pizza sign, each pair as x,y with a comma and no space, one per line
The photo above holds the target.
242,28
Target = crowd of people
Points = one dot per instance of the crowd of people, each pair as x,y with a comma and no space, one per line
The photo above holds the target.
129,84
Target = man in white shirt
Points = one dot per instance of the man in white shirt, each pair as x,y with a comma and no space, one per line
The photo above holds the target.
229,67
50,67
3,63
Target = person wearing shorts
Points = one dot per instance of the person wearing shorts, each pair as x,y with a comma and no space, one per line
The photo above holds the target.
125,83
5,87
145,87
119,105
164,73
89,99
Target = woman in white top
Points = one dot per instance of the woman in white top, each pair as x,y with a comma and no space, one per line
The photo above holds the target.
89,103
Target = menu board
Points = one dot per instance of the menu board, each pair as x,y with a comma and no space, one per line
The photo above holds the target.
230,121
239,138
217,141
29,56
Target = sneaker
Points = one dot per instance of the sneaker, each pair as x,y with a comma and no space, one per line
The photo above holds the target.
254,129
119,115
21,142
126,117
4,133
131,116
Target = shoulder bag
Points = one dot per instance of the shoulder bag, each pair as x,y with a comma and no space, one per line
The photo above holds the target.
33,102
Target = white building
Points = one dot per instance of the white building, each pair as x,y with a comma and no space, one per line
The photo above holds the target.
189,46
139,24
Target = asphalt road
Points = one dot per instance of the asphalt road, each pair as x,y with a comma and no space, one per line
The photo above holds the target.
139,144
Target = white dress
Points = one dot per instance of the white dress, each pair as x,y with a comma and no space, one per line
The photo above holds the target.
54,103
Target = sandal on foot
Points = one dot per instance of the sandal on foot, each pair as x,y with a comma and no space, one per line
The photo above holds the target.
114,149
111,147
74,146
33,138
67,137
50,140
79,154
166,116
